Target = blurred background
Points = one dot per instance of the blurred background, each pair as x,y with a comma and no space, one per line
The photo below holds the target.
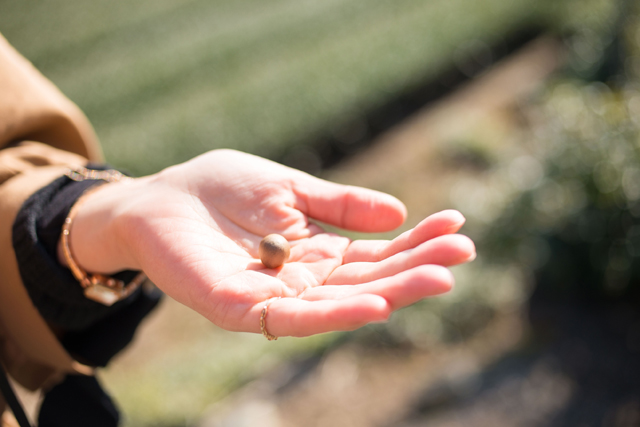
522,114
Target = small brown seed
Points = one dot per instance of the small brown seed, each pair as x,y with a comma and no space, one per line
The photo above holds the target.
274,251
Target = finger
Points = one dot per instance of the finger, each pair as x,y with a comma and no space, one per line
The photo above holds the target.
445,222
300,318
400,290
349,207
445,250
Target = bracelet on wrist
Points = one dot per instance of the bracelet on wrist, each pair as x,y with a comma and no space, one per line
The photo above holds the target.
97,287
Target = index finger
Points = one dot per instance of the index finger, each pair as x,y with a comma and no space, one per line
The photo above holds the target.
349,207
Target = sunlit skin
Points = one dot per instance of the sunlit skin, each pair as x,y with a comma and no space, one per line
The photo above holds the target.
195,229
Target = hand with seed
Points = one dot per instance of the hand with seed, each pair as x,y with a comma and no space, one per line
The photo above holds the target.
196,230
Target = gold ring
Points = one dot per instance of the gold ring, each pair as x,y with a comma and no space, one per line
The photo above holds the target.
263,320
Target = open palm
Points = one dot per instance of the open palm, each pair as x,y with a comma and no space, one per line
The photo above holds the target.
195,230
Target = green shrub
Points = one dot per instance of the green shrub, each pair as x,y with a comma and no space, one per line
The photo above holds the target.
574,216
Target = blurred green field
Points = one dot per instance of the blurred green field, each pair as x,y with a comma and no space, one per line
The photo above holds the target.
163,81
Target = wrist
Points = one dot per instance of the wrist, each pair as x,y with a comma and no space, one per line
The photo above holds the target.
96,238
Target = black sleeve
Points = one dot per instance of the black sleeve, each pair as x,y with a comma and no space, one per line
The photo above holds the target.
93,330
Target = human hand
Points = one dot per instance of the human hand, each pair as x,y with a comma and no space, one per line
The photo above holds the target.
195,228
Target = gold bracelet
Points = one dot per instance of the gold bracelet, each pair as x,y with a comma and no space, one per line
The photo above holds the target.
263,320
97,287
80,173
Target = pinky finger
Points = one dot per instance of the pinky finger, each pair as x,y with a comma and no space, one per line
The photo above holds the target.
300,318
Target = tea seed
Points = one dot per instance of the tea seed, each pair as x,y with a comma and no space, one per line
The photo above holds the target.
274,251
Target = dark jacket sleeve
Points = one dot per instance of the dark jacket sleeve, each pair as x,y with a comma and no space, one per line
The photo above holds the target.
89,327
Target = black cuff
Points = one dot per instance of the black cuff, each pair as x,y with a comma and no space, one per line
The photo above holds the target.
54,291
78,400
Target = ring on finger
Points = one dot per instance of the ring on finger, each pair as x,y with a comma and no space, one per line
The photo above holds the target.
263,320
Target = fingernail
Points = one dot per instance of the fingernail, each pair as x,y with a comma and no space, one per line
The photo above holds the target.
455,227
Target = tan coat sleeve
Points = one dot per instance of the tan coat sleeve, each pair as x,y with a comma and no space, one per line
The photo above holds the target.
42,133
32,108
